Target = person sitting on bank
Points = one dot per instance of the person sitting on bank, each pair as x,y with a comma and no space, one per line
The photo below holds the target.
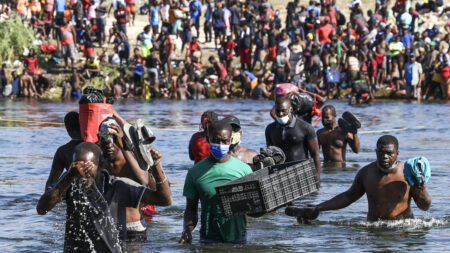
96,202
236,150
388,193
218,168
334,139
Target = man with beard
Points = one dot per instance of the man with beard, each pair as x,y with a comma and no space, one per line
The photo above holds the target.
334,139
96,202
383,181
122,163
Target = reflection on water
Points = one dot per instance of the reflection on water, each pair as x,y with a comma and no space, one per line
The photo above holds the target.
26,151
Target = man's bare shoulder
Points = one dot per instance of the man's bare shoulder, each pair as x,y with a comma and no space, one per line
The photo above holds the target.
369,168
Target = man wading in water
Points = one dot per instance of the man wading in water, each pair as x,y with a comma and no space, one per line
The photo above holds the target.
388,193
236,150
334,139
96,202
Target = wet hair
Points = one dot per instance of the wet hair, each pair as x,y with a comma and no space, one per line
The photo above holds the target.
219,125
88,147
387,140
209,115
71,121
331,108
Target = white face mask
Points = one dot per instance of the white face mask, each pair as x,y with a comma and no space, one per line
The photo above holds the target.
283,120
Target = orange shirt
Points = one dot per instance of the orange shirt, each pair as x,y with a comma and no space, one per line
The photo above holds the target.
21,7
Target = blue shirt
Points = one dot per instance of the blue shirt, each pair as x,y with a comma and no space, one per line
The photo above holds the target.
194,9
406,40
249,74
60,5
155,16
315,8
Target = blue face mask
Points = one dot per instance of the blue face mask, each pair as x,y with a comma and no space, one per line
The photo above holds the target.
219,151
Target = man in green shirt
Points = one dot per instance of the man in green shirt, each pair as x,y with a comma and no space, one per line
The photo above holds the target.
218,168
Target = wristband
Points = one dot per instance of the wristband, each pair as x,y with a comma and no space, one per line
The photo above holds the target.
163,181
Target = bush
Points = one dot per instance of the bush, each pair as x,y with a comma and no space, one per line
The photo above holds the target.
15,36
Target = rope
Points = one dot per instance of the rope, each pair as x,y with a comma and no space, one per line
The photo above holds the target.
192,130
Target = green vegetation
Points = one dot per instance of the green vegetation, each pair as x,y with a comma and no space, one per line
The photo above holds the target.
15,36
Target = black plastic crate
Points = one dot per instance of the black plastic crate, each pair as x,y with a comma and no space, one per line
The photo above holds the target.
268,188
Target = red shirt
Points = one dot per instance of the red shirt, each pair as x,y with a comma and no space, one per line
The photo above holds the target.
332,13
229,46
200,147
324,32
31,64
121,15
193,46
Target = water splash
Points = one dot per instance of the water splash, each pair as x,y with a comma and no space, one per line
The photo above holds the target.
418,223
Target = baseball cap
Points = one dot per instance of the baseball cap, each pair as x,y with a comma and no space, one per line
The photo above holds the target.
233,121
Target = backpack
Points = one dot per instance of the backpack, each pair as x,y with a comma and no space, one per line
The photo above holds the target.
341,18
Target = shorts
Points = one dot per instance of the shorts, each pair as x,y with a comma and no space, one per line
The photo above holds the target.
245,55
88,51
131,8
69,51
136,232
145,50
76,94
219,31
48,16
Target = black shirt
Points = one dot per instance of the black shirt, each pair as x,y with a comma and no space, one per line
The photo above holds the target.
97,221
292,139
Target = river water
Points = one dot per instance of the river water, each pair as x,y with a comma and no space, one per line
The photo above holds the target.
26,151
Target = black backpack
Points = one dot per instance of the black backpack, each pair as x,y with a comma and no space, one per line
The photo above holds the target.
341,18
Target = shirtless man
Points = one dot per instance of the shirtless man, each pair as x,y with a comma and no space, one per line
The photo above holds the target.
236,150
76,84
197,89
334,139
63,156
388,193
122,163
182,86
27,88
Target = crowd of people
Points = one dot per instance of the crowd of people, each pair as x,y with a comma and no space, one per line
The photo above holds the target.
108,187
247,50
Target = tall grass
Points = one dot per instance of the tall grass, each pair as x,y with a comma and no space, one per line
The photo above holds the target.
14,36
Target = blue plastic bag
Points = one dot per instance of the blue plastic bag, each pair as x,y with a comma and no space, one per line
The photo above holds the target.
415,168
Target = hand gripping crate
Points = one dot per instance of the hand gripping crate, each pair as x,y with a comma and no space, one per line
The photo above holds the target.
268,188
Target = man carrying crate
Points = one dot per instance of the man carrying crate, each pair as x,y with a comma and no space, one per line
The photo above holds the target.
294,136
218,168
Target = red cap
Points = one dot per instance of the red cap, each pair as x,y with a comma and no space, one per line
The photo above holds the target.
327,18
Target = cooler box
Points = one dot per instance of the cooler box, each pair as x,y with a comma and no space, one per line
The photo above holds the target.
269,188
